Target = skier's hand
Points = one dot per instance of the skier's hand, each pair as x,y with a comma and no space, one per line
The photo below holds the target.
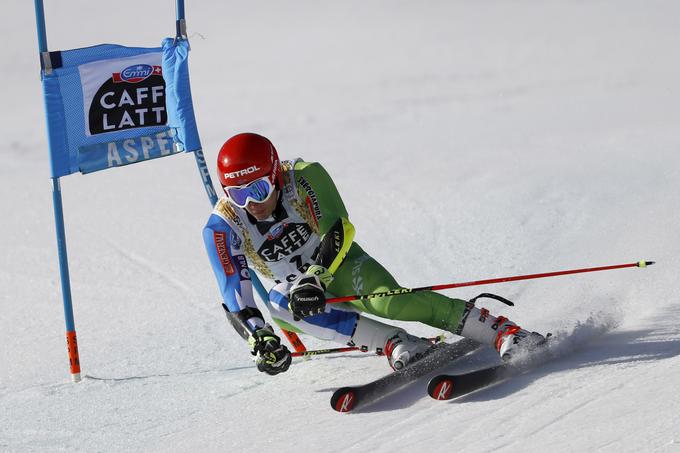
325,277
272,357
306,297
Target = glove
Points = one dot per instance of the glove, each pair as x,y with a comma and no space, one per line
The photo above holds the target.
272,357
306,297
325,277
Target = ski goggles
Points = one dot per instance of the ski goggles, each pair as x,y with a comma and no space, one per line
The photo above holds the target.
257,191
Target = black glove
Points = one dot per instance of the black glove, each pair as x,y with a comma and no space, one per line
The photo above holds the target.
306,297
272,357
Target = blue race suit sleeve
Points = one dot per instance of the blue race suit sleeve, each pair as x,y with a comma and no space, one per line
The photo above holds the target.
231,272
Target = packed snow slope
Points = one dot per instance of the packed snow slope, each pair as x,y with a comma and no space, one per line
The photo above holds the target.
468,139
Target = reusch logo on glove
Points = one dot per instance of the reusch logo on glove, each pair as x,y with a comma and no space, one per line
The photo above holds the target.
307,299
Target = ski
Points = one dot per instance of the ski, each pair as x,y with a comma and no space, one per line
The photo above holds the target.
449,386
346,399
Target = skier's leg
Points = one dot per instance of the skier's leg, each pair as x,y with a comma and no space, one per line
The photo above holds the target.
361,274
336,323
504,335
342,324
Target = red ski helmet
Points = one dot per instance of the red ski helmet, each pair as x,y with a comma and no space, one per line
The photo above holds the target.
246,157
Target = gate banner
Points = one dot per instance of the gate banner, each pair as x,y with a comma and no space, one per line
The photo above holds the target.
111,105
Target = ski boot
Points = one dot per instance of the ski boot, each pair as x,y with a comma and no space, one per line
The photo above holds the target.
399,347
517,341
403,348
503,335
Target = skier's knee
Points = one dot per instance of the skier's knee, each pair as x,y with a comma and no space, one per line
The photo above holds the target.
278,297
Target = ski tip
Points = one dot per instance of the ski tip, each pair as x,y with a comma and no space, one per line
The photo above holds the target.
645,263
440,388
343,399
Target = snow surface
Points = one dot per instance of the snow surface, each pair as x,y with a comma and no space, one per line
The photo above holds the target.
469,140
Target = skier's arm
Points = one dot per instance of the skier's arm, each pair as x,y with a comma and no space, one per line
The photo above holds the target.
321,197
233,278
328,211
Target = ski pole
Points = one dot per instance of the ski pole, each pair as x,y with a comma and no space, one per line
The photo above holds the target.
400,291
307,354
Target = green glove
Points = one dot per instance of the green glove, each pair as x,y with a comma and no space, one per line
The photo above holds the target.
325,277
272,357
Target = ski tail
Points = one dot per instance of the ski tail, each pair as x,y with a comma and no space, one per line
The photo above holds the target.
347,399
449,386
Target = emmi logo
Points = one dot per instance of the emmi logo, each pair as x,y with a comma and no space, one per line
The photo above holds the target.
136,73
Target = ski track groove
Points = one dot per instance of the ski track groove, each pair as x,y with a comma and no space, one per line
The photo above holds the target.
360,443
42,386
166,375
555,420
575,408
140,261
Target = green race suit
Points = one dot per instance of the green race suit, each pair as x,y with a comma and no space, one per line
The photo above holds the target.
310,225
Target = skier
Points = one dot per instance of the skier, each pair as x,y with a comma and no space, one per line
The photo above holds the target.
287,221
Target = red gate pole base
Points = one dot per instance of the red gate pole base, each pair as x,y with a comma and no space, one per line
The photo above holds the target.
295,341
73,358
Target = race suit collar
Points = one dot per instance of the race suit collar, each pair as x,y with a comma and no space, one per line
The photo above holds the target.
279,214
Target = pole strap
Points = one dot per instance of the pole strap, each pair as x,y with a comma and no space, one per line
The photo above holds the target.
492,296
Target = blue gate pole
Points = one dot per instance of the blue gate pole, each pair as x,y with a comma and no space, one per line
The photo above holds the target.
71,341
181,29
212,196
292,337
180,24
259,287
200,158
205,176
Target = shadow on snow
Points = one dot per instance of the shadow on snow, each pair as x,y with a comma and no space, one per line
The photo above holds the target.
609,349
